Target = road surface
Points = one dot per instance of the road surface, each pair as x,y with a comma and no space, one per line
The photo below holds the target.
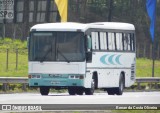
98,100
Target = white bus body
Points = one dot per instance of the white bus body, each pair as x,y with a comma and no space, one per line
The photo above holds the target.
82,57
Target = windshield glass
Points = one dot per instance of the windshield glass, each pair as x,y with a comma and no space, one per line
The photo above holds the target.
56,46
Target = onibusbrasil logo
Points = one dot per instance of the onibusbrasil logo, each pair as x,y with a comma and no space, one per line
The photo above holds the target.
111,59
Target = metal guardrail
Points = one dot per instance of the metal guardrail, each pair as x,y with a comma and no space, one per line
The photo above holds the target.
13,80
150,80
24,80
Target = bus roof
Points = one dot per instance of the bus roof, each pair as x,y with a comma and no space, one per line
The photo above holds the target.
71,26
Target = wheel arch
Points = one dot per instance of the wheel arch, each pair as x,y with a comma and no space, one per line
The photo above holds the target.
123,75
95,77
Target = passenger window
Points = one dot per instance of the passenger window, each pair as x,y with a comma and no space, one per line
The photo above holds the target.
132,42
95,41
126,41
119,41
103,41
111,41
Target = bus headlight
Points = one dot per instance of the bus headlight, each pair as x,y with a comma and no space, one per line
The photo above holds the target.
76,77
81,77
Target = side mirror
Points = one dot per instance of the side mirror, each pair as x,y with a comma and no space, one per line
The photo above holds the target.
89,56
89,49
89,43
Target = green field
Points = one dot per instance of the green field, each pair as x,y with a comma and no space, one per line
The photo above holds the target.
143,66
22,69
12,45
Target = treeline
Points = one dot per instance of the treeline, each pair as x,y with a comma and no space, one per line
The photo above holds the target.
131,11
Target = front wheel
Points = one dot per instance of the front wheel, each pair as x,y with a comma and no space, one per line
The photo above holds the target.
90,91
44,90
80,91
75,90
71,90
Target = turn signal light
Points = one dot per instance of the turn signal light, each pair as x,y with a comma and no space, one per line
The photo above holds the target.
81,77
29,76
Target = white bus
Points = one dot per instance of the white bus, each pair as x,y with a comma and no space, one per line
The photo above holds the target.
82,57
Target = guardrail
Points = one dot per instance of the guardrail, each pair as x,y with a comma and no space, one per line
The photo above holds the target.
24,80
150,80
13,80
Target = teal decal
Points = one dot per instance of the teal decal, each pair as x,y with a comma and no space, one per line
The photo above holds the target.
103,59
117,59
111,59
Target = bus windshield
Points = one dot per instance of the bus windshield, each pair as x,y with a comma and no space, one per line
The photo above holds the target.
57,46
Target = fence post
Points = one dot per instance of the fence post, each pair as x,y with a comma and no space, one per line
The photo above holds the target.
7,61
16,59
156,86
139,86
5,87
24,87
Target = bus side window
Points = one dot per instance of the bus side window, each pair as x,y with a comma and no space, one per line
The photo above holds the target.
132,42
119,41
103,41
129,43
111,41
133,38
126,40
95,41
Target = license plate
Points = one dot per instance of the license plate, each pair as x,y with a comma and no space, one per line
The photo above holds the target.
55,82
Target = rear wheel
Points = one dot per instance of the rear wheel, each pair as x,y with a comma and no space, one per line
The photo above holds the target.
119,90
79,90
44,90
71,90
90,91
111,91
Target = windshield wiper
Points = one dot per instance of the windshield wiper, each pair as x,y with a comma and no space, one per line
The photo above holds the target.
44,57
62,55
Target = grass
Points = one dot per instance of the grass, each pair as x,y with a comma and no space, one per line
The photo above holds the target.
144,68
22,69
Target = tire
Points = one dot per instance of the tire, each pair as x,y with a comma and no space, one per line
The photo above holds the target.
71,90
119,90
44,90
111,91
90,91
79,90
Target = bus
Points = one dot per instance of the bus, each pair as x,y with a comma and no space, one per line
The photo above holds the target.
82,57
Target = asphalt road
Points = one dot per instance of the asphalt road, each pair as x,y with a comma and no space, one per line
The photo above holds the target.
63,101
97,98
